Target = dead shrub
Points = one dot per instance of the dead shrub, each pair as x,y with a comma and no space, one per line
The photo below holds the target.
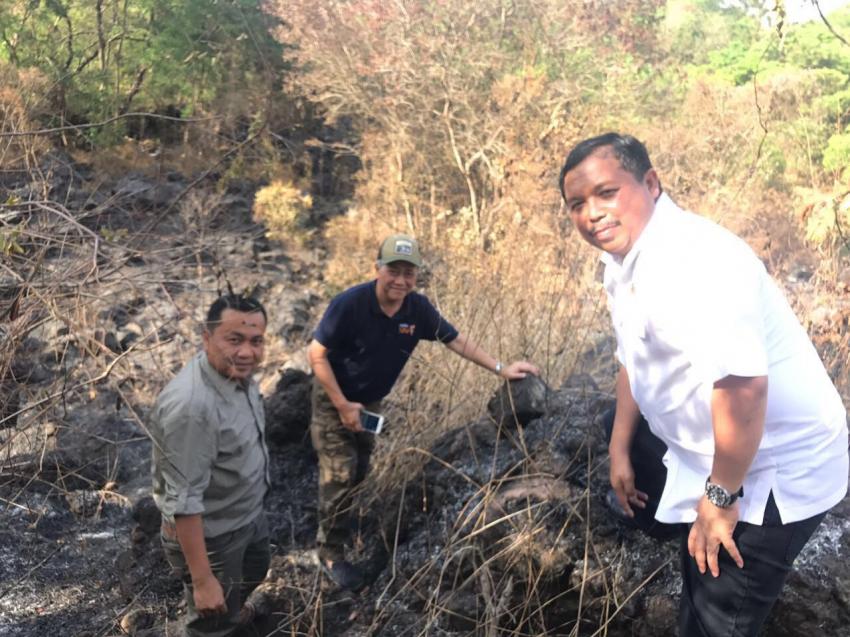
22,101
285,211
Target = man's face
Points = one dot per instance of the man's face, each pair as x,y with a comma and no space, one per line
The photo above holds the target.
235,346
396,280
608,205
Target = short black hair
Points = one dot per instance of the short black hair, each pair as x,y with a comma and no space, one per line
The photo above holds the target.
236,302
628,150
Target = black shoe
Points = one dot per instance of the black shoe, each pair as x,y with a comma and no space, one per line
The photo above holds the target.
344,574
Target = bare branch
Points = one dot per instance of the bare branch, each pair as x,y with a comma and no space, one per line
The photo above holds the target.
828,25
48,131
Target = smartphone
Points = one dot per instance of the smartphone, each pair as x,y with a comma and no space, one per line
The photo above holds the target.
371,422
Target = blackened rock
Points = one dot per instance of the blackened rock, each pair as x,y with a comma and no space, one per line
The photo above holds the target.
288,409
147,516
29,372
147,193
112,342
297,319
518,402
463,610
581,381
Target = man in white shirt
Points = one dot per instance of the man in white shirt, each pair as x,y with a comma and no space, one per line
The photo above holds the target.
713,357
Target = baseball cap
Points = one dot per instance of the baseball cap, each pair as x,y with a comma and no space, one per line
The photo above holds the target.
400,247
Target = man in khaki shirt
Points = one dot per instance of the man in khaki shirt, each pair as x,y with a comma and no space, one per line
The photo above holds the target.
210,469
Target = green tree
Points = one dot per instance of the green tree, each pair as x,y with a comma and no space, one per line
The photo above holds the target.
107,57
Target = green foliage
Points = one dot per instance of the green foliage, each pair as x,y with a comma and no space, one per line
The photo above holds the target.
811,45
739,62
698,30
836,156
9,244
836,105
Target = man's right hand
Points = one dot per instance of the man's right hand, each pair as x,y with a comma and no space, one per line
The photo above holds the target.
209,596
623,482
349,415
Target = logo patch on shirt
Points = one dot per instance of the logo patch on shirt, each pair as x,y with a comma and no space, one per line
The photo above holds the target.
403,247
406,328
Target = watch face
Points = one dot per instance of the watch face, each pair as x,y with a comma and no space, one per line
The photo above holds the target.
718,496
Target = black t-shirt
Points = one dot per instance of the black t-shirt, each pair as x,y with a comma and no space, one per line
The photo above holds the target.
366,348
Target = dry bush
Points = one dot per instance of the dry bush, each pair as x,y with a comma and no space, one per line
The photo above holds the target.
725,150
827,217
708,153
22,100
285,211
446,97
148,157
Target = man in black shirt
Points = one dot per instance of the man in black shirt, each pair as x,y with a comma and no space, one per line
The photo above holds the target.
363,341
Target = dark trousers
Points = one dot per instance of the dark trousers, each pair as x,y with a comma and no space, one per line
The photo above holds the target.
239,560
650,475
343,463
737,603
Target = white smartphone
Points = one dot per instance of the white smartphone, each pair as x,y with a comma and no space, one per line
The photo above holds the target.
371,422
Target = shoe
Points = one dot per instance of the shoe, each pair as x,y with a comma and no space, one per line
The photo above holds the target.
247,614
343,573
257,606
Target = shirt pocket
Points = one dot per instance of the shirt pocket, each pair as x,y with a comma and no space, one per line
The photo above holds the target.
238,432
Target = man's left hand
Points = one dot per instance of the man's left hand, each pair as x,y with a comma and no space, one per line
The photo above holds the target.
712,529
518,369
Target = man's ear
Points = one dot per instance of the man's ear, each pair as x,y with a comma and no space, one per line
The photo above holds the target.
653,183
205,337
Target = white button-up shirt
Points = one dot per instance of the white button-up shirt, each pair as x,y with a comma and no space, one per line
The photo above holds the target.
692,304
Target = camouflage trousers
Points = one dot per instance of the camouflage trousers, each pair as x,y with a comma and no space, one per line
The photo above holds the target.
343,463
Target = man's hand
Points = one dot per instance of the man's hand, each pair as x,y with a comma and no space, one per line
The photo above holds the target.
623,481
349,415
518,369
208,596
712,529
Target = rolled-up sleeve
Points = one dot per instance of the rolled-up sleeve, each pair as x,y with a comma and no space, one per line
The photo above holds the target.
184,459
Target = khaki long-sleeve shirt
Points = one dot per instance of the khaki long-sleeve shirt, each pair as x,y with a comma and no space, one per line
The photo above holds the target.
209,455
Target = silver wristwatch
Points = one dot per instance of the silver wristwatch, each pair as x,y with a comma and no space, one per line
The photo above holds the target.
719,496
499,367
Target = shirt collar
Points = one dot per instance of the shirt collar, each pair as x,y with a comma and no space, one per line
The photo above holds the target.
224,386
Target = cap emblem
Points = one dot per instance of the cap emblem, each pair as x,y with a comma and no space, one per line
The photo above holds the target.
403,247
